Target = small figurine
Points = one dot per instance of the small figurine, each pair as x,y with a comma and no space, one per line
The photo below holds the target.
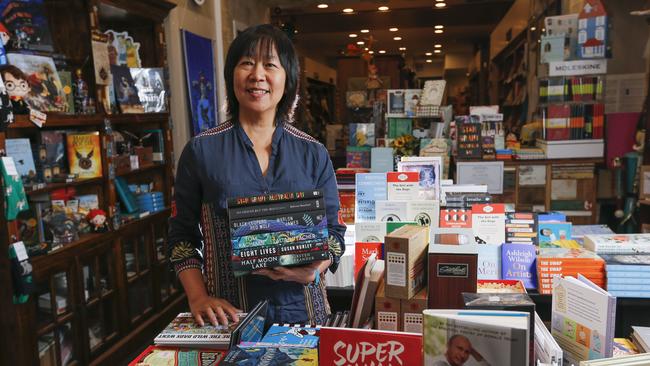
4,39
374,82
97,219
17,87
80,92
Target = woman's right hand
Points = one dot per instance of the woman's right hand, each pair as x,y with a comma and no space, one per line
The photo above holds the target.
215,310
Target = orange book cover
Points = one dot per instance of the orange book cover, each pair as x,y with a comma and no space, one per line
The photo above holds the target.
346,198
84,154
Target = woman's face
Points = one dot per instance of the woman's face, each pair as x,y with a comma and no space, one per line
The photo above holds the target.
259,82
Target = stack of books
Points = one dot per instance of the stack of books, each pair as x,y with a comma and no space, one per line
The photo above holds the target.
618,243
641,338
151,201
277,230
557,262
529,153
504,154
628,275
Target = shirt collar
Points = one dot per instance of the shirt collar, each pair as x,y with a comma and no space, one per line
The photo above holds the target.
277,134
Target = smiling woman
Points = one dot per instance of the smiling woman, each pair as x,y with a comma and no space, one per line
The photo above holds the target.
256,152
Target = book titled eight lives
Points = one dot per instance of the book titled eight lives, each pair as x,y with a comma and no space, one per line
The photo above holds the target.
280,229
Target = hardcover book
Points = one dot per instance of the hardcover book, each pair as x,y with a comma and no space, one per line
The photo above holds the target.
488,223
518,263
125,90
347,346
53,145
21,151
84,154
290,356
489,262
550,231
291,336
362,134
358,157
404,186
362,251
429,175
495,337
151,88
391,211
621,262
46,90
381,159
618,243
183,331
370,187
174,356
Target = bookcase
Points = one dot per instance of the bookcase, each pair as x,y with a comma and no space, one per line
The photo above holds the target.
98,298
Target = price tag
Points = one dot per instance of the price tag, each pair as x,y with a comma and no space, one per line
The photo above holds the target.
21,251
10,165
135,163
37,117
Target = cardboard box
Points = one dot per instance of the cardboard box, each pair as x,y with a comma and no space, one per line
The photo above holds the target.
452,271
590,148
405,261
411,312
387,311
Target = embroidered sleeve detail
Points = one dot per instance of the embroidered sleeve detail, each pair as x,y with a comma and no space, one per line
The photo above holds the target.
182,251
187,264
335,252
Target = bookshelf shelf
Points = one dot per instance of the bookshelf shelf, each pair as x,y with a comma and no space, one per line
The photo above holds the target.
54,186
60,121
141,170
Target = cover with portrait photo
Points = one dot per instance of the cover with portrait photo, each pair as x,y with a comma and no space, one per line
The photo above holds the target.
429,169
475,338
45,89
125,91
151,88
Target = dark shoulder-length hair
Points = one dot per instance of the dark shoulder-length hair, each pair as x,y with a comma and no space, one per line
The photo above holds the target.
262,38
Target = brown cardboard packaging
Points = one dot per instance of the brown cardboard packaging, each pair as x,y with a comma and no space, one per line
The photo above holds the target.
387,311
452,271
406,250
411,312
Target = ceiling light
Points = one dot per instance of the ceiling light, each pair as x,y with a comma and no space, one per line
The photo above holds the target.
440,5
365,49
365,31
382,51
428,54
532,29
352,35
393,29
438,31
383,8
360,42
348,10
437,45
322,6
429,61
397,38
439,26
402,48
371,52
436,51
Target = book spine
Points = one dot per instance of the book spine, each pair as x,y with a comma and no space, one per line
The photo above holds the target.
627,287
628,274
628,268
280,222
639,294
250,264
627,281
280,237
125,198
567,262
279,249
246,212
274,197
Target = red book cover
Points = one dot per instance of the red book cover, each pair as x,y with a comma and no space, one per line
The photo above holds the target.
348,346
346,198
456,218
364,250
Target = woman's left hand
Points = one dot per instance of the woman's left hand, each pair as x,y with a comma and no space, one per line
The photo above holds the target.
302,274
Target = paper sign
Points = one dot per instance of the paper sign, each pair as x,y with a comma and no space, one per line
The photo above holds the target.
579,67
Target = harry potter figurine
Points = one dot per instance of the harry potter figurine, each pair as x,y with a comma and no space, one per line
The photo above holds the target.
17,87
4,39
97,219
80,92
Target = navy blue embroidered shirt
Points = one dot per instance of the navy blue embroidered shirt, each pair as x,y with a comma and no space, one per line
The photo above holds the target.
219,164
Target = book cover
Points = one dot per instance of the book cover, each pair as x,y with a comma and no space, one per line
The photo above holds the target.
381,159
550,231
423,212
494,337
291,336
546,348
521,228
277,223
156,140
362,134
21,151
362,251
518,263
399,127
622,262
46,91
370,187
357,157
404,186
125,90
314,233
347,200
53,146
489,262
618,243
174,356
127,199
268,356
374,231
391,211
274,198
84,154
87,202
348,346
429,175
151,88
583,318
183,331
488,223
455,218
275,208
366,283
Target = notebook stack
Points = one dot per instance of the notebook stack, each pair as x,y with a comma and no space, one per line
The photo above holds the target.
554,262
151,201
628,275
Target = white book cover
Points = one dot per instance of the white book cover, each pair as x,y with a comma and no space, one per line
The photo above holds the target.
476,338
403,186
391,210
429,175
582,320
433,92
546,348
489,262
489,223
618,243
370,232
425,213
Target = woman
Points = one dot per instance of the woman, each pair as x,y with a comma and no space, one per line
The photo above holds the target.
256,152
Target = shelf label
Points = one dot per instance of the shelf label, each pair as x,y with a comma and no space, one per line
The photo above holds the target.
579,67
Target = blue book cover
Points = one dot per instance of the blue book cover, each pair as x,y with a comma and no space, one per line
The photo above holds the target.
286,335
129,204
518,262
362,134
550,231
627,287
627,274
381,159
628,281
370,187
551,216
21,151
627,262
489,262
254,355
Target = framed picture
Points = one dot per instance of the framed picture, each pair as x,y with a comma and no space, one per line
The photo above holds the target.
200,78
396,102
489,173
644,183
